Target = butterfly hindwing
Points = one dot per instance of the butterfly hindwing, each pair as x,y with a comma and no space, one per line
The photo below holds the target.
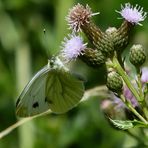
64,90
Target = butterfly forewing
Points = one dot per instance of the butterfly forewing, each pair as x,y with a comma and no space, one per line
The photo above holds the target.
31,99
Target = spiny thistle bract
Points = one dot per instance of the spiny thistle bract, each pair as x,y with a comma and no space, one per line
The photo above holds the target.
93,57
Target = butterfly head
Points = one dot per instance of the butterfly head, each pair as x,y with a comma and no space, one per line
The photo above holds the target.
56,63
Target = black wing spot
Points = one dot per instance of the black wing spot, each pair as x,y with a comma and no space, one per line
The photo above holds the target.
48,100
36,104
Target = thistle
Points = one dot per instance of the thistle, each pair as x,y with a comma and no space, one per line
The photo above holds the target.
72,47
79,18
132,16
106,47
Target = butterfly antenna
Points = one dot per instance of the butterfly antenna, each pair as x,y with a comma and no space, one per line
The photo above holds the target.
46,43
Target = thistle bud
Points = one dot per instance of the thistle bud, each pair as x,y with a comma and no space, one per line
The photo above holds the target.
93,58
137,55
114,82
119,37
79,18
111,31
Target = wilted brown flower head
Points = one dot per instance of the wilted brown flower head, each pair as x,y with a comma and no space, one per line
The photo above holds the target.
78,16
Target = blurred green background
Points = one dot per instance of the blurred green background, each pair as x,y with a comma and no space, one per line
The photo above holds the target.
24,49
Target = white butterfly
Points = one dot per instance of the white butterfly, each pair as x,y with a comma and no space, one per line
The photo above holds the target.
53,87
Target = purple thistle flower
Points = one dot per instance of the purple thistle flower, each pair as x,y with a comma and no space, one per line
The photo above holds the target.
72,47
144,77
132,14
78,16
129,96
118,103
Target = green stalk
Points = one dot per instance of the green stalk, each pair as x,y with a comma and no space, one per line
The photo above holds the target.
123,74
143,102
129,105
99,92
139,95
140,85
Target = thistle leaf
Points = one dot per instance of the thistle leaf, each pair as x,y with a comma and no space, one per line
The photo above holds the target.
127,124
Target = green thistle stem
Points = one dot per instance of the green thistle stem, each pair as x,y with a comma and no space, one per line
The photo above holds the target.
129,105
143,102
145,110
119,57
116,65
139,84
123,74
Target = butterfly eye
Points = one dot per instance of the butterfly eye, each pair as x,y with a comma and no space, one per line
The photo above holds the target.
52,61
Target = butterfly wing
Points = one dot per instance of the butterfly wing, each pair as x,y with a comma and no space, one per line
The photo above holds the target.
32,99
63,90
51,88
